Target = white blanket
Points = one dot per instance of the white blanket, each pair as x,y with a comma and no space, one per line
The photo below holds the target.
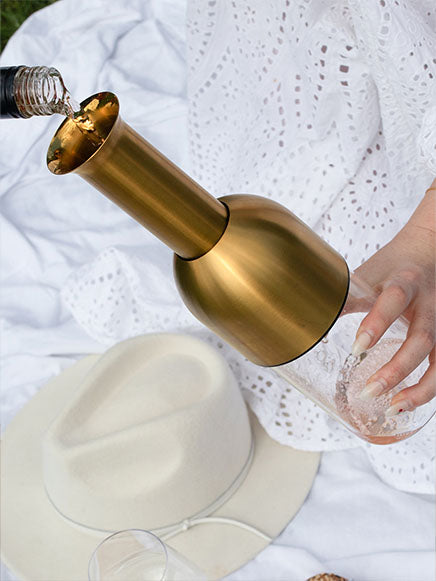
352,524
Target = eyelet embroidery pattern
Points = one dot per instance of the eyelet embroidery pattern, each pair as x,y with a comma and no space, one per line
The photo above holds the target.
328,108
318,105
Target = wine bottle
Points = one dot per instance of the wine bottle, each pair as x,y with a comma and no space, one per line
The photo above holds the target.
29,91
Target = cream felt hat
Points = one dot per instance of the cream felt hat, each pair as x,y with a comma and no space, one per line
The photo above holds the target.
154,434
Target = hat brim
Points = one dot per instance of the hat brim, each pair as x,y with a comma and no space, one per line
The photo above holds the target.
39,544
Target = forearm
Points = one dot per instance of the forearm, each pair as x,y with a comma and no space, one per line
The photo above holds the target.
422,222
415,243
425,214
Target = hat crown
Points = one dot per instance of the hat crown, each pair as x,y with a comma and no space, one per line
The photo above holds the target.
155,433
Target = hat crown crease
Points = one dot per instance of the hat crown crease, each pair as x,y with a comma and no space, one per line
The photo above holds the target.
105,473
105,417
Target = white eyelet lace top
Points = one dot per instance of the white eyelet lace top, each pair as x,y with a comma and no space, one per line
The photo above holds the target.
328,107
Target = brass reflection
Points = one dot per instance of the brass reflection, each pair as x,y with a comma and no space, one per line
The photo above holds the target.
270,286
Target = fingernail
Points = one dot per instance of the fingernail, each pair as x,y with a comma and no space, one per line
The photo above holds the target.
372,390
401,406
361,343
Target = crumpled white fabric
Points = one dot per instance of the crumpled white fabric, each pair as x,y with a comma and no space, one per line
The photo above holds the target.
352,523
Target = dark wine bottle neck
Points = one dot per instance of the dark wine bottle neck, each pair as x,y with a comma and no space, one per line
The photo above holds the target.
8,105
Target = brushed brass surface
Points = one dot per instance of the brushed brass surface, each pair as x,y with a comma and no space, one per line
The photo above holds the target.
246,266
270,286
116,160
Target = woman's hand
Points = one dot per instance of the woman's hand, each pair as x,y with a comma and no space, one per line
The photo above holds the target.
403,272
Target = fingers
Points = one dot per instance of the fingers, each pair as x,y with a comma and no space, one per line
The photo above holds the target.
400,293
419,343
411,397
392,302
405,292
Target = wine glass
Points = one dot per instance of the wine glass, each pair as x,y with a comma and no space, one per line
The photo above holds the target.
138,555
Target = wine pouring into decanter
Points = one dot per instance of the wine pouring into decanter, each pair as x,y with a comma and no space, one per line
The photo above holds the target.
248,269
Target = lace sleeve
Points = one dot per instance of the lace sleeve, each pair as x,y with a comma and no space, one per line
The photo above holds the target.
427,139
399,40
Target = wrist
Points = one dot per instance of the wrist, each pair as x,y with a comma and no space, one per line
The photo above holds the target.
424,217
416,243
